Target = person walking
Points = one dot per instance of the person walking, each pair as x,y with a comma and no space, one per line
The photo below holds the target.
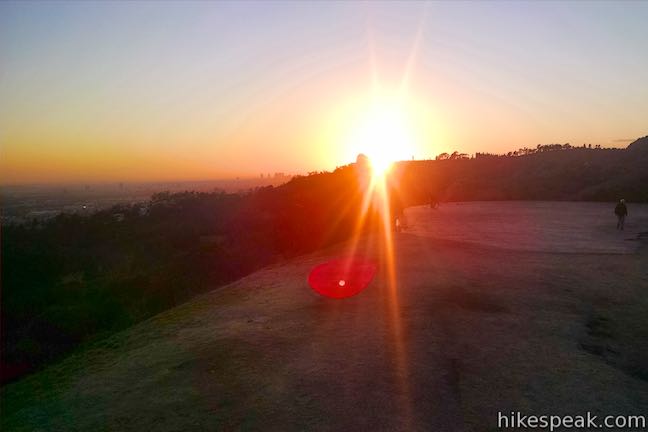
621,211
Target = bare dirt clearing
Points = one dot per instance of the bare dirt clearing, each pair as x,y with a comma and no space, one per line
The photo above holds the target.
533,307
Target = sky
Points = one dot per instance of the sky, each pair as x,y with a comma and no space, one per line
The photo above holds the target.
136,91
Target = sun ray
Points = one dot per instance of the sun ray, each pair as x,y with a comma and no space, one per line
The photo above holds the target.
413,55
384,134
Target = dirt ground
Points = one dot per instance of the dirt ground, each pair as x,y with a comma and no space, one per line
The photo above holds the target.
540,308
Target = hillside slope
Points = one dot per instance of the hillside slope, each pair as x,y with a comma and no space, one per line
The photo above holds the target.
103,272
469,330
573,174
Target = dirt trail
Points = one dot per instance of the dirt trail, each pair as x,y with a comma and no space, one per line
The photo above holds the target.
472,328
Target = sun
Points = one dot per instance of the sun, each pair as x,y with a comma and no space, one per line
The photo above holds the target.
384,134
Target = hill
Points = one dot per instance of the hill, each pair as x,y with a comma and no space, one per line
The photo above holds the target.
565,174
473,327
74,279
639,145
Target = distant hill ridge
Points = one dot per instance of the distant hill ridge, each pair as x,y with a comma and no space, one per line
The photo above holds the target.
570,173
640,144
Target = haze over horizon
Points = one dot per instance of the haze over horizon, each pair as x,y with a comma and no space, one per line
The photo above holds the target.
139,91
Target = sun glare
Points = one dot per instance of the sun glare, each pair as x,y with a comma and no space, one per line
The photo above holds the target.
384,134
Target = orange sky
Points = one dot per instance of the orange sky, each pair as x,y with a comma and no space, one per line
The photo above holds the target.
171,91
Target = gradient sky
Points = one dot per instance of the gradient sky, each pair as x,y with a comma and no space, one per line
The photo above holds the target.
159,91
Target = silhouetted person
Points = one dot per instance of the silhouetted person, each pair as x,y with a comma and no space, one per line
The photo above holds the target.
397,209
434,202
621,211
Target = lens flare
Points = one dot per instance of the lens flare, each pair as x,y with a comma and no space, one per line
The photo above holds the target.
342,278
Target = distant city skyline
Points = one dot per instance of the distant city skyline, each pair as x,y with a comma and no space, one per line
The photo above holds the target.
164,91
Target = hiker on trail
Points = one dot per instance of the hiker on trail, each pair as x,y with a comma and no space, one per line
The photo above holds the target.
621,211
434,202
397,211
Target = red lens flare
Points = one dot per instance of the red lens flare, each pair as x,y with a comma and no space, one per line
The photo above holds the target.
342,278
